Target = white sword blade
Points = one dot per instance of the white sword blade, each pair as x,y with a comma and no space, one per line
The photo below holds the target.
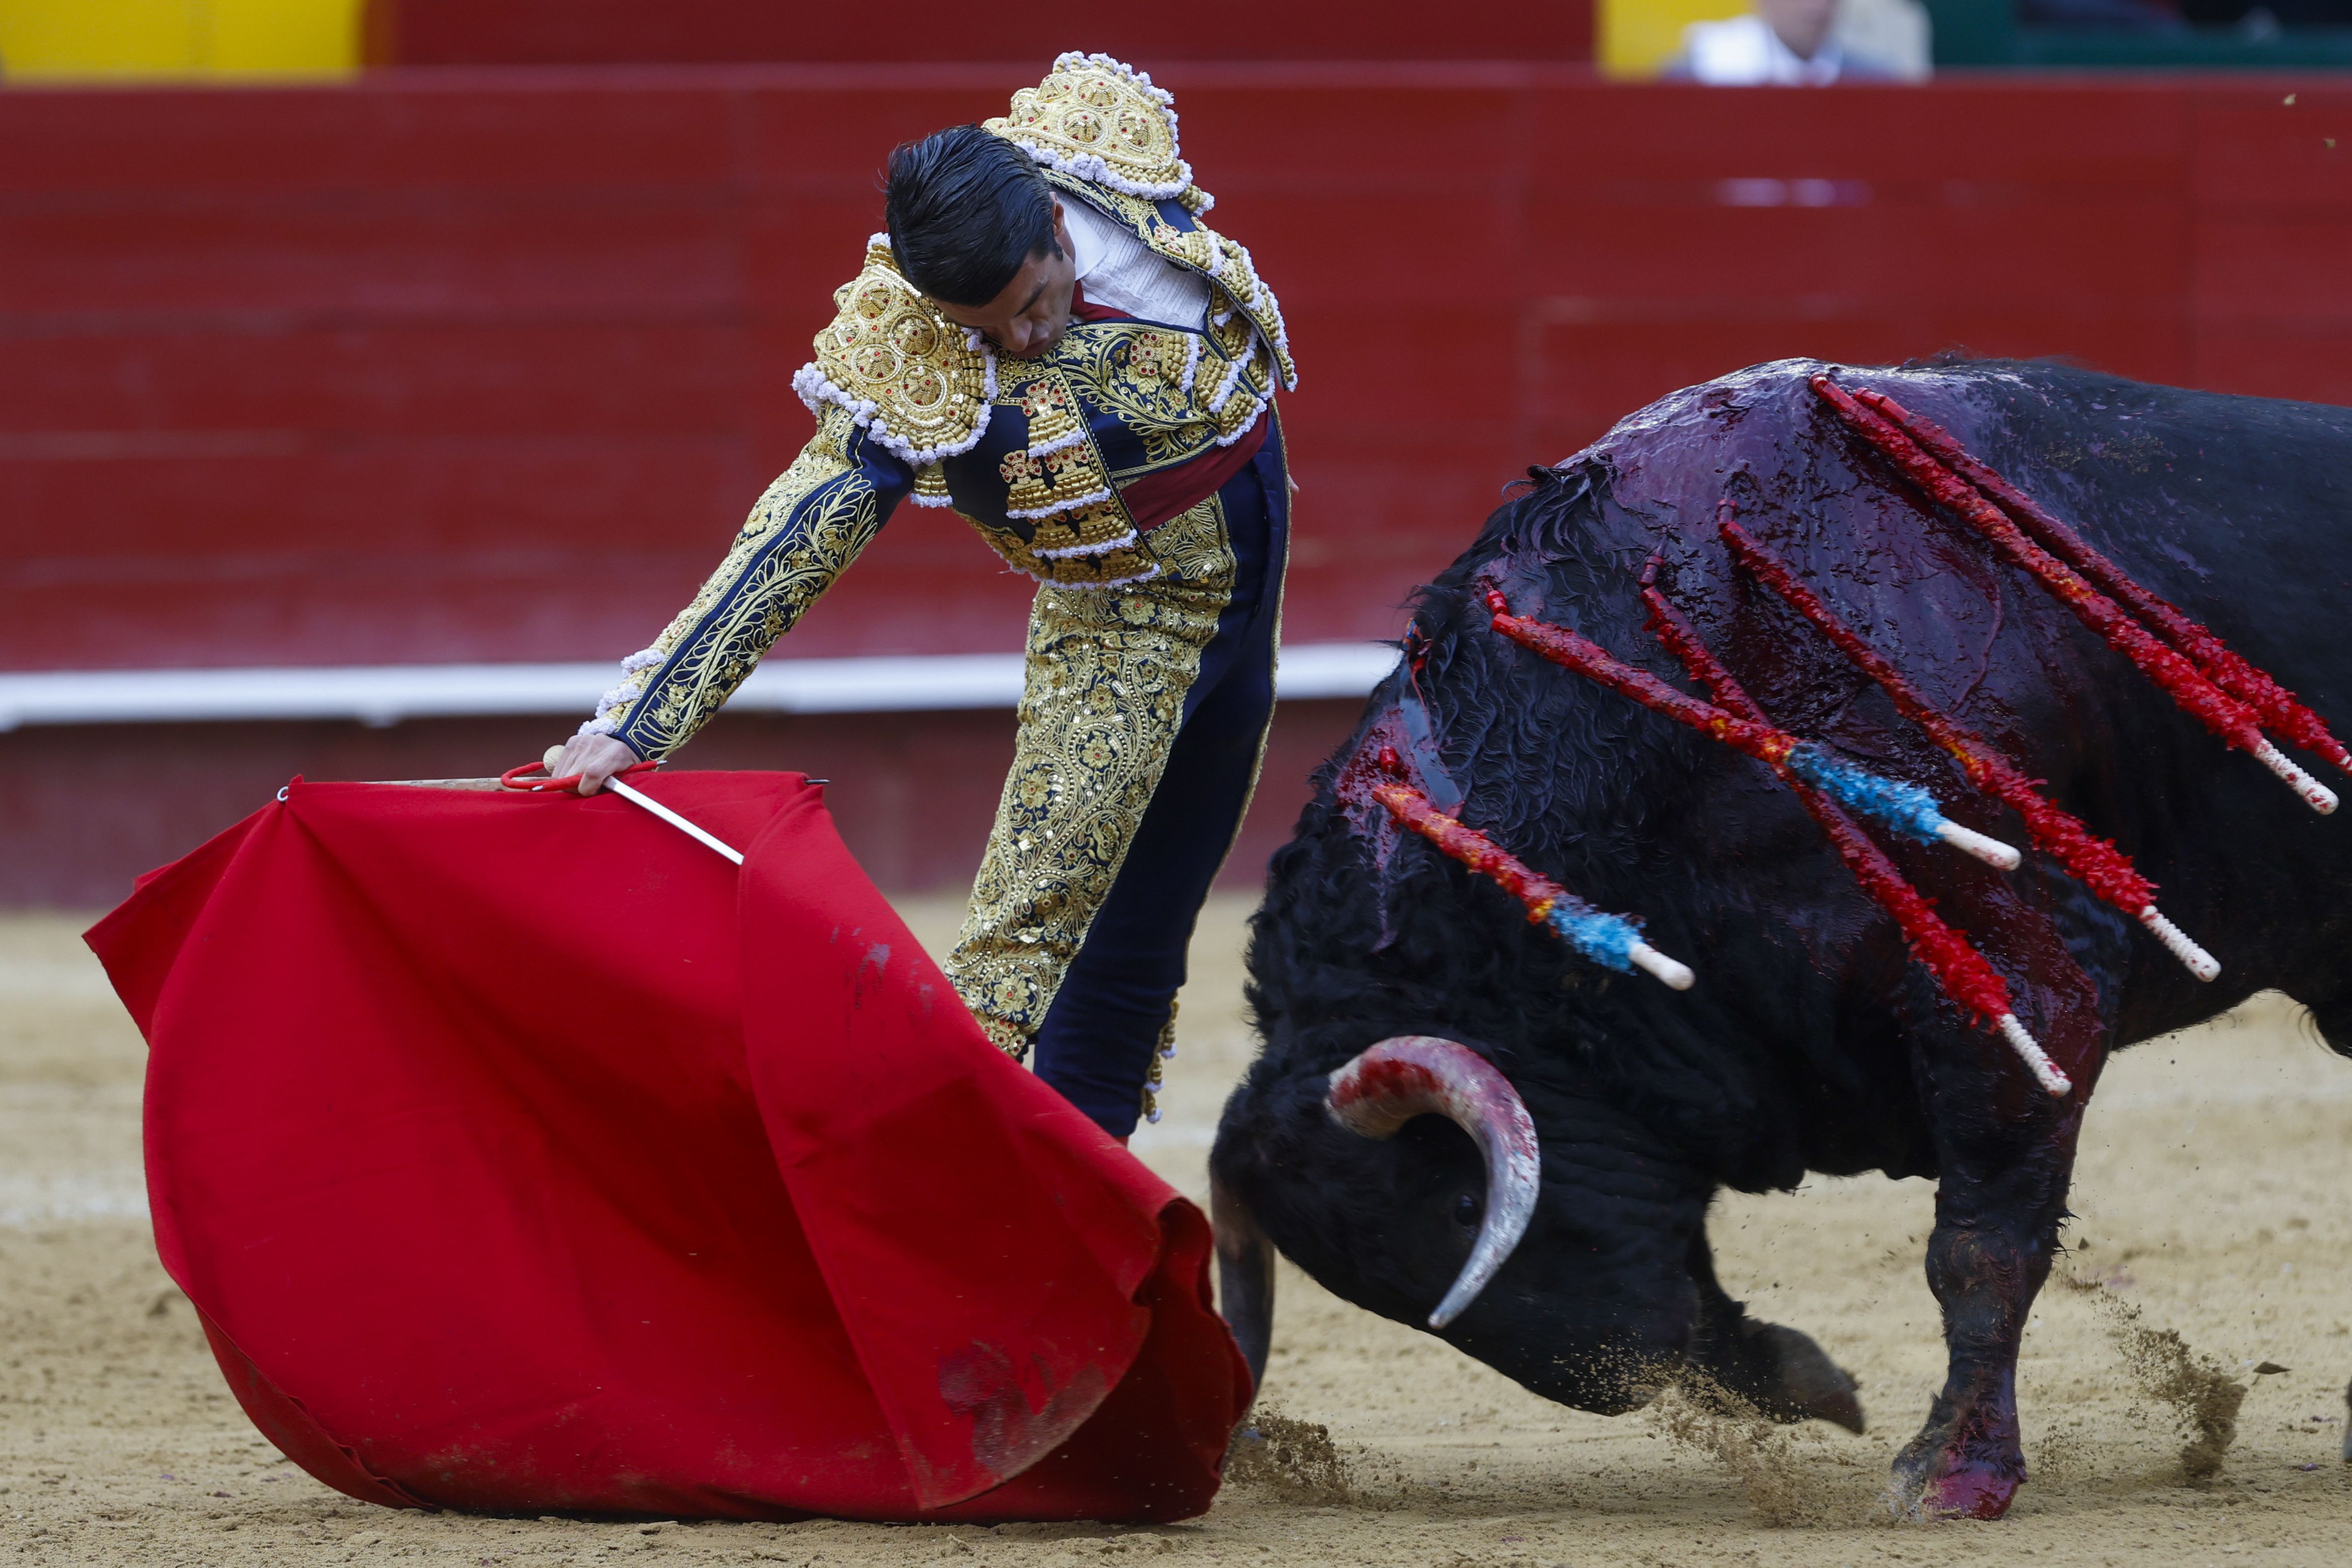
673,818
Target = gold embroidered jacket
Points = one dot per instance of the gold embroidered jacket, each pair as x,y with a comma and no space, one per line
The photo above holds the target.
1034,454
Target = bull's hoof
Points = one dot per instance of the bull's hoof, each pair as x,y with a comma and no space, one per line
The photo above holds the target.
1968,1494
1812,1386
1946,1485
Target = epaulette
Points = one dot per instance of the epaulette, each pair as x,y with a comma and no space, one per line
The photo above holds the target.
1102,122
919,384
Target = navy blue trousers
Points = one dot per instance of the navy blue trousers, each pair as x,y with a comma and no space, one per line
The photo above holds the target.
1097,1039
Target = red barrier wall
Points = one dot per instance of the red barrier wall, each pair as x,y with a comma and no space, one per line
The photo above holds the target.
714,32
488,367
85,808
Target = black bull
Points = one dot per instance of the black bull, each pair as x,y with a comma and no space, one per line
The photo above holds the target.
1810,1042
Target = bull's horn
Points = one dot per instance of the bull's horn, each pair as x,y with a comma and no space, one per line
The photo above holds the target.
1412,1075
1245,1276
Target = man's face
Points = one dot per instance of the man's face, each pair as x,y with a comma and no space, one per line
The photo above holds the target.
1030,314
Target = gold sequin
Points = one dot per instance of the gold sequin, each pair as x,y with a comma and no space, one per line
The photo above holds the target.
889,355
1102,699
1093,114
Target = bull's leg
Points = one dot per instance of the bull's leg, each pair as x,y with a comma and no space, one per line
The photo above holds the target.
1997,1208
2004,1155
1780,1370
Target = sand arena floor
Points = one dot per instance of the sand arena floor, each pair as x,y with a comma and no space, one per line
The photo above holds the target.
2213,1198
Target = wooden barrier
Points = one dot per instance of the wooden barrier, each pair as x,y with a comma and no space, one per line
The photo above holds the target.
488,365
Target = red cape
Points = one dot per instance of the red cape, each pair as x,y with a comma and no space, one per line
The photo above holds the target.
522,1155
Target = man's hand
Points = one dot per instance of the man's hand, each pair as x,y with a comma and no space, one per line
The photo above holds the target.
595,757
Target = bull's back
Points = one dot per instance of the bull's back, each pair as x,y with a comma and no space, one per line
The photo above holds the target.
2237,510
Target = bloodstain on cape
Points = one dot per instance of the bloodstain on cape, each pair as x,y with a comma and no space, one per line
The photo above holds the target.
522,1155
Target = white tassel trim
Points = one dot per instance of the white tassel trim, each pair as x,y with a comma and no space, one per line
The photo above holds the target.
1192,362
919,498
815,388
1105,548
1070,60
1234,373
1090,168
1248,425
620,697
1271,308
882,239
1060,506
1260,297
1074,437
1144,576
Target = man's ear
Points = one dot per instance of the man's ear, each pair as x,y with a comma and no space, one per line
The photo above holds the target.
1061,231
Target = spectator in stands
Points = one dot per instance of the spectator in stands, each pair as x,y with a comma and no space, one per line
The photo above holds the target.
1802,43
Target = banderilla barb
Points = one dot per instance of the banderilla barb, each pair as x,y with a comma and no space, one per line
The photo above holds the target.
1972,983
2222,714
1904,808
1610,940
2278,707
2095,862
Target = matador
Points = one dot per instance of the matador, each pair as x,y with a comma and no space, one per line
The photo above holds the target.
1050,340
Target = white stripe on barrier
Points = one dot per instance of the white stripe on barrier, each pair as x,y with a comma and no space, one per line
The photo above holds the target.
388,694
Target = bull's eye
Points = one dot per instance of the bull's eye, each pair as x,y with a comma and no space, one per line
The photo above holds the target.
1468,1209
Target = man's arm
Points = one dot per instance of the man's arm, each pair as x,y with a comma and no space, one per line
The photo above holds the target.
811,524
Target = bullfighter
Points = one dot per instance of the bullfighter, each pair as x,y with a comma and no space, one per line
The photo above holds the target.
1051,341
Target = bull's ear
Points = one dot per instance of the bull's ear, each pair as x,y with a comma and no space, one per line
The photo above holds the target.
1244,1277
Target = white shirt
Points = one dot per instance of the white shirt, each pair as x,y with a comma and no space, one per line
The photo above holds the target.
1745,52
1120,270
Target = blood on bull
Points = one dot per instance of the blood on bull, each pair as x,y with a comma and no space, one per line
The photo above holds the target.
1918,628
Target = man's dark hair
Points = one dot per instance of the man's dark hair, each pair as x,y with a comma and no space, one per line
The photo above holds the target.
965,210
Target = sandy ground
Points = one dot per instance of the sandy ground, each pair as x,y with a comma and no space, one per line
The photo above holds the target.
2213,1204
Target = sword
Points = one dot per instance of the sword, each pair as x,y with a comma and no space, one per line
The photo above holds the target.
517,778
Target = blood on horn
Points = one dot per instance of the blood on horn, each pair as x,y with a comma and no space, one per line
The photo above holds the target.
1412,1075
